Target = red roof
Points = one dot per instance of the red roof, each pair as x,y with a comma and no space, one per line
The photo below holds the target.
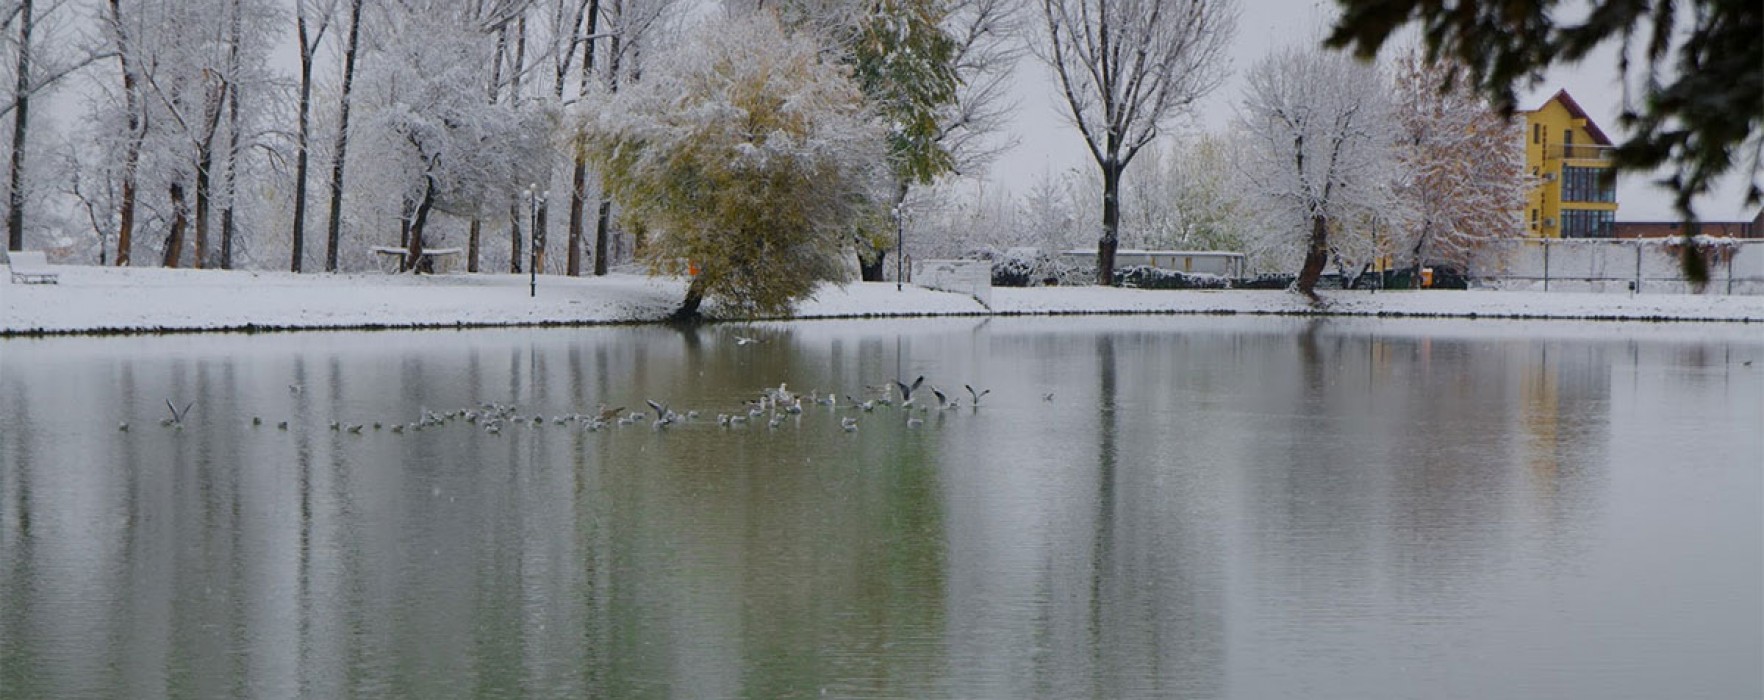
1592,127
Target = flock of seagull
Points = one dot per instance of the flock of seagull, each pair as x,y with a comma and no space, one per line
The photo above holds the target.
773,406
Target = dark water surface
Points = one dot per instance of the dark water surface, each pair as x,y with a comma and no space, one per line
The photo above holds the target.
1206,508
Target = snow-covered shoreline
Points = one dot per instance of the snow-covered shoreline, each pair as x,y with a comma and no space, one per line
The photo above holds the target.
153,300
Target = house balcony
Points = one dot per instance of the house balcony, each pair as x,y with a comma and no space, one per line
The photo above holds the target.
1589,154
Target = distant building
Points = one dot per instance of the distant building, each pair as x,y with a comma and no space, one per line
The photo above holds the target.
1569,158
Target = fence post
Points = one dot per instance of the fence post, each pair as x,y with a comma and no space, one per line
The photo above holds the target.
1546,247
1638,277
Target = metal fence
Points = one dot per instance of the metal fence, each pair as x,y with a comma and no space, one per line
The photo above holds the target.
1627,265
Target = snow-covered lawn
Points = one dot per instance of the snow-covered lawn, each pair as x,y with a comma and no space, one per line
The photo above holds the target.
154,299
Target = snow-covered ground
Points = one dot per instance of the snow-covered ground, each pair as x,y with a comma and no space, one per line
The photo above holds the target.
95,299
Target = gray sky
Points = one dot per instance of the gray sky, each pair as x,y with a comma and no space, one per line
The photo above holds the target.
1047,144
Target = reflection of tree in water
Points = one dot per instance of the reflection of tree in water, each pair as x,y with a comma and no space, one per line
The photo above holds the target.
19,658
1135,590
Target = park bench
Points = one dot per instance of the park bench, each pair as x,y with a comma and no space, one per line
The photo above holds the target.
31,267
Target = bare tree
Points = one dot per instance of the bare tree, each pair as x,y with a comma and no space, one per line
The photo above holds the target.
625,26
986,49
312,18
189,83
1318,130
565,40
134,108
1126,69
40,60
433,139
20,119
334,228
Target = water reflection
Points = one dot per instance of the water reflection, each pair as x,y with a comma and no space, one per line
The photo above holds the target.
1205,508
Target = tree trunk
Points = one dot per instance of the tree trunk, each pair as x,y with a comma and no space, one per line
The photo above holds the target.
539,239
1105,246
514,236
230,182
20,122
688,311
406,214
125,231
877,269
601,235
1316,257
579,176
413,256
578,182
602,229
302,138
338,158
230,186
873,271
174,240
204,161
473,233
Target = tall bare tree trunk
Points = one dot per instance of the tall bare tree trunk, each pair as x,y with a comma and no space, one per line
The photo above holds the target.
125,231
174,239
603,223
1106,246
539,238
20,122
337,159
204,161
578,183
579,174
517,66
229,186
229,183
302,137
514,235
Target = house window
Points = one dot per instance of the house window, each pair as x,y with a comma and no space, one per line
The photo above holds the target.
1585,223
1533,219
1567,137
1536,133
1588,185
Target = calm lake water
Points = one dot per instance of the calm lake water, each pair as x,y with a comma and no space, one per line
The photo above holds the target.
1142,508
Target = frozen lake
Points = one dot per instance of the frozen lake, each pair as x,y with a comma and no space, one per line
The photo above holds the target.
1153,507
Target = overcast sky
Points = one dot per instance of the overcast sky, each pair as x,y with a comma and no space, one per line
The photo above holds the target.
1048,144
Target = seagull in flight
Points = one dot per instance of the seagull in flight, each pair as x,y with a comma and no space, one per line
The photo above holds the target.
744,340
906,392
177,416
976,394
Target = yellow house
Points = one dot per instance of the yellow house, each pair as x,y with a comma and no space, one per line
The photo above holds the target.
1569,159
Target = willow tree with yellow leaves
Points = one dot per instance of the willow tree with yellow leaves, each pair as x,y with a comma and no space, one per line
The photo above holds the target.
748,158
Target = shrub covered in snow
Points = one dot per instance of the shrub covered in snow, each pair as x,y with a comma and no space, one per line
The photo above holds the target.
1030,267
1147,277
